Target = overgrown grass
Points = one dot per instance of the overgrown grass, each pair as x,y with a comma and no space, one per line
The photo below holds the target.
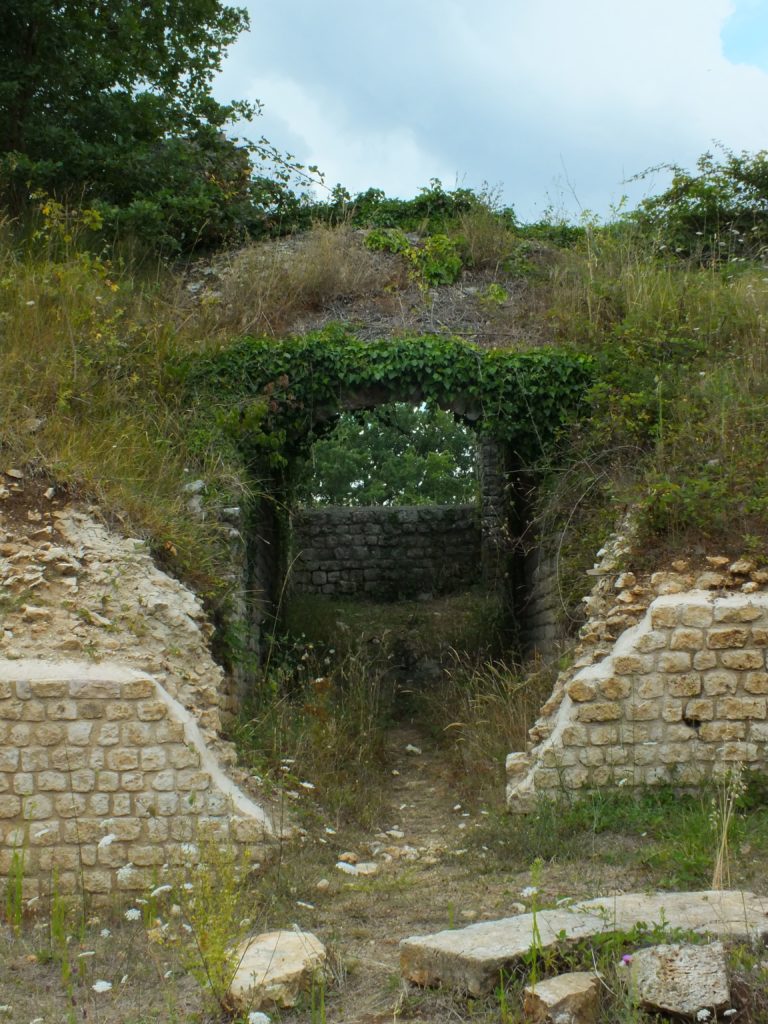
85,395
265,287
90,349
679,405
483,709
674,837
317,725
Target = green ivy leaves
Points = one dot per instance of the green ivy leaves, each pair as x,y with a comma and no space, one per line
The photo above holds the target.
301,385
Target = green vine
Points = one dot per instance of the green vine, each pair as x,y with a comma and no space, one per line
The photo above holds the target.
274,398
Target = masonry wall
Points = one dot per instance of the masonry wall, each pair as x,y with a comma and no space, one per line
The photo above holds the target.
386,553
542,611
256,569
106,779
679,697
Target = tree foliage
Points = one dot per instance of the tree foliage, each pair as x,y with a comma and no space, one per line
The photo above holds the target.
719,212
396,454
109,101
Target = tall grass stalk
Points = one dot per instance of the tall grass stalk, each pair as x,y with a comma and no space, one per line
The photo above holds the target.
724,803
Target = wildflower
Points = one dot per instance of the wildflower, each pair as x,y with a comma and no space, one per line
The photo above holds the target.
703,1015
307,785
133,914
42,832
106,840
160,889
257,1017
124,873
528,891
626,959
105,933
102,986
730,1013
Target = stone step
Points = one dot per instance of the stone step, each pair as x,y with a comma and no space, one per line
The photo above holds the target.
471,959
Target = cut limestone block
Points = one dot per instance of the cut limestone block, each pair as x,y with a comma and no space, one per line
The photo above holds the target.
274,968
568,999
681,979
471,958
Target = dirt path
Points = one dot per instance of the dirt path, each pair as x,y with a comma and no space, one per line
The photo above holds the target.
428,877
433,871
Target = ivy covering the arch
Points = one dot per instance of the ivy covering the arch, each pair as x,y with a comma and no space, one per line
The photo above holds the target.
274,398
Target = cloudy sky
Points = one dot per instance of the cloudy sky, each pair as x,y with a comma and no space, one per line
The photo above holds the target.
554,103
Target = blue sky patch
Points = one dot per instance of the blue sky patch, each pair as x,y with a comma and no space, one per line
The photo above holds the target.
745,34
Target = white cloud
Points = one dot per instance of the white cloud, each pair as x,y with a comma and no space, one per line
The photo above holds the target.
322,132
507,91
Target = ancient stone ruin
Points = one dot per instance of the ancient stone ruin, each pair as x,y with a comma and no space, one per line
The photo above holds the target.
678,695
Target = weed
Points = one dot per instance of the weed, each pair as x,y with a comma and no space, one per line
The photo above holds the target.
264,289
666,833
318,726
729,791
436,261
536,950
483,710
14,891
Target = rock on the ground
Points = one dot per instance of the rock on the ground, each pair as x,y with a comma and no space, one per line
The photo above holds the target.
471,958
367,867
274,968
681,979
568,999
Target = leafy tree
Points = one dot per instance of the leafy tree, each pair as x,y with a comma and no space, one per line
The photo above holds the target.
393,455
719,212
109,101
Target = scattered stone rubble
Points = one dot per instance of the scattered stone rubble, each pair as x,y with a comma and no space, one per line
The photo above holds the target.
682,979
274,968
471,959
572,998
73,589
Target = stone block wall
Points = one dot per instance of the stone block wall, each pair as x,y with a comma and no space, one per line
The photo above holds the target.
681,697
386,553
542,611
106,780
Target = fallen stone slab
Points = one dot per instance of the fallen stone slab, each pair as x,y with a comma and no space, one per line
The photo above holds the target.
567,999
681,979
470,959
274,968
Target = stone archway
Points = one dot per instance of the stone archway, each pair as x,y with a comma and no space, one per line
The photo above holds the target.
276,396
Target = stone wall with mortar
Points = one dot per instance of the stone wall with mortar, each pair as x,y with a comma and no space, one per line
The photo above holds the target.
386,553
107,780
542,610
669,684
